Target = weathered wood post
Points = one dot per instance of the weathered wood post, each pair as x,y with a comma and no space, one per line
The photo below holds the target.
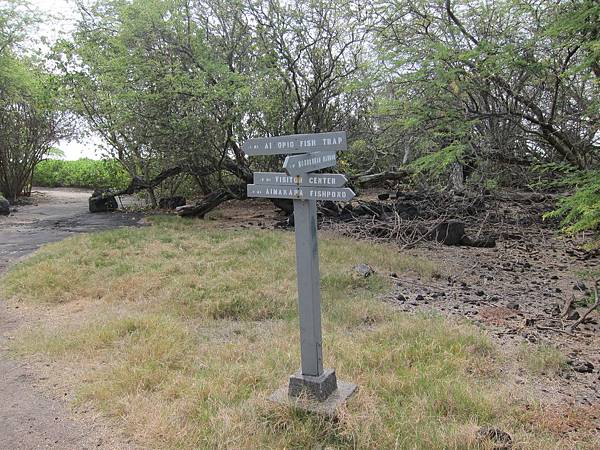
309,287
317,389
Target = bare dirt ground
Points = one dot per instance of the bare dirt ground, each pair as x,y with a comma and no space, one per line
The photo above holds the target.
33,415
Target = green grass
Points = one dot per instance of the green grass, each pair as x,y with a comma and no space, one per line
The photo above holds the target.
180,331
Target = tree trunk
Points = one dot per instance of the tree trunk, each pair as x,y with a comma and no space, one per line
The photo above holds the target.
211,201
457,177
152,196
207,204
137,184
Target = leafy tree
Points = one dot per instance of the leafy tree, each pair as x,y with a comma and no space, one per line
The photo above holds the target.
474,82
182,83
30,117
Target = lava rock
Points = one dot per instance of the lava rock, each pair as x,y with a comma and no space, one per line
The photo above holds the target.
364,270
329,209
171,202
484,242
578,365
500,439
102,200
287,222
553,309
4,207
449,233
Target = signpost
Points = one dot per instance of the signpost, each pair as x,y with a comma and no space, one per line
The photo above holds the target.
311,152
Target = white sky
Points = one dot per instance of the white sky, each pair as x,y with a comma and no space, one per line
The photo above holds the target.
60,21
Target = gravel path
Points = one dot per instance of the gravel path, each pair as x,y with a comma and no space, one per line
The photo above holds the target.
31,415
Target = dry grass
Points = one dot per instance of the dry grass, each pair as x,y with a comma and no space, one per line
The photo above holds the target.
542,359
181,330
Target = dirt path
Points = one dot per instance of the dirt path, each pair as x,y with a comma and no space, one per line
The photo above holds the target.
31,415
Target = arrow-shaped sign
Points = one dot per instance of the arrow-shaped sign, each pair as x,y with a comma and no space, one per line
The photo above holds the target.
329,180
300,192
301,164
297,143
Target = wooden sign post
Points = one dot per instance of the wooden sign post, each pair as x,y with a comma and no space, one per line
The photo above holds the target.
310,152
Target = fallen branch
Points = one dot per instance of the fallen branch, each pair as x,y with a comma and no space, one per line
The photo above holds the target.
377,178
211,201
558,330
137,184
567,306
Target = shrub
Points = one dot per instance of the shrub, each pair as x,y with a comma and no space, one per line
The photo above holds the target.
84,173
579,211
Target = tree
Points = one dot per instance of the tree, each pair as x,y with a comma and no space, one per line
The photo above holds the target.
183,83
30,117
472,82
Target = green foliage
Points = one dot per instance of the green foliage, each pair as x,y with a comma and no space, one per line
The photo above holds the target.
32,117
84,173
577,25
579,211
481,74
438,162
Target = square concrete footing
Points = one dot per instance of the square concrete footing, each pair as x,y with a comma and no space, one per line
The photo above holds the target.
298,393
316,387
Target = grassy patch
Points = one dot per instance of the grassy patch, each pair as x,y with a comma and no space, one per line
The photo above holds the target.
181,330
197,271
542,359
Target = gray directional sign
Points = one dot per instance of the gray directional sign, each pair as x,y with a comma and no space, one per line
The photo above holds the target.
300,192
300,164
328,180
297,143
305,188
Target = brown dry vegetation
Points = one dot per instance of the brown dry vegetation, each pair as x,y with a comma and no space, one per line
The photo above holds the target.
180,331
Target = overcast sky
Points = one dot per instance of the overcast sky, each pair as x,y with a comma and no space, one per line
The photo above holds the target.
60,21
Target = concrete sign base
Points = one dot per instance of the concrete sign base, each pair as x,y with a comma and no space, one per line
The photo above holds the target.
316,387
327,407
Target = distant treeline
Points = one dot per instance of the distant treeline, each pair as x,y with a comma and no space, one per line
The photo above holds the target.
84,173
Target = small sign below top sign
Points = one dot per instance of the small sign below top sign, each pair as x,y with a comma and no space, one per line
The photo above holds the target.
329,180
297,143
300,164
